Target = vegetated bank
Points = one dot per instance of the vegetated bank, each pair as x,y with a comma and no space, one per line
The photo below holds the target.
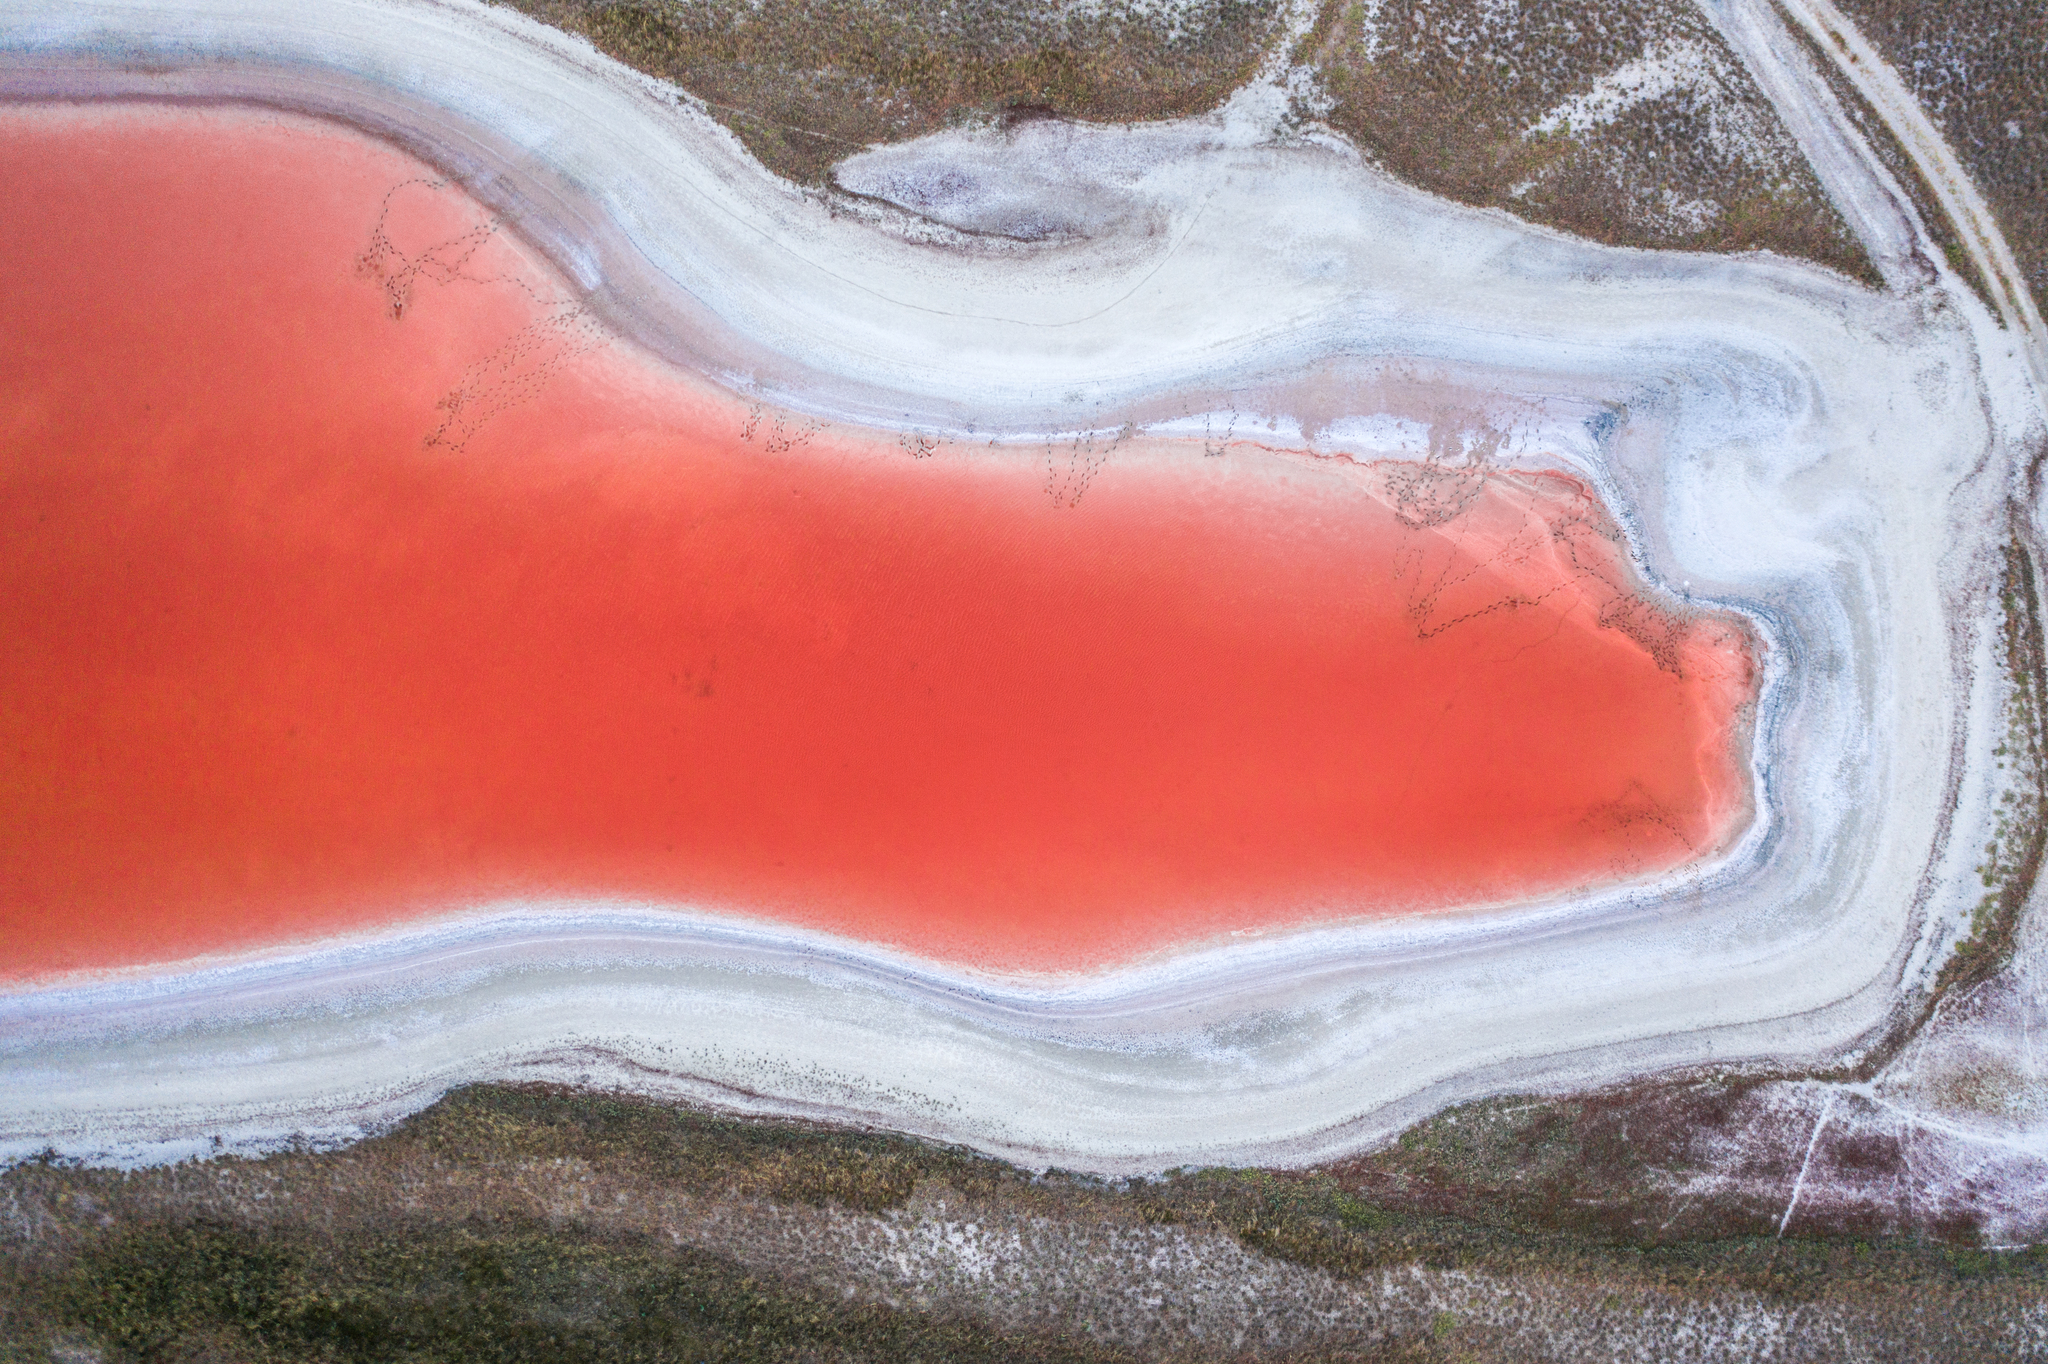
526,1223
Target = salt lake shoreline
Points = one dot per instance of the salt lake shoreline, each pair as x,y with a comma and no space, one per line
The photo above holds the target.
1720,407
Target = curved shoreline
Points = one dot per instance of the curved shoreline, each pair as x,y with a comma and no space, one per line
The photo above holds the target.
1741,465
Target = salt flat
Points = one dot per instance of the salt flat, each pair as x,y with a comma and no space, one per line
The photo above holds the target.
1840,465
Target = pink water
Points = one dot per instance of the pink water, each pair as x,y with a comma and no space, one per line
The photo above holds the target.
350,574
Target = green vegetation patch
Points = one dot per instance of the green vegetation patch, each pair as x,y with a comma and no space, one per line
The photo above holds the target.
477,1293
514,1224
527,1223
804,83
1451,95
1980,70
2012,858
1464,98
678,1149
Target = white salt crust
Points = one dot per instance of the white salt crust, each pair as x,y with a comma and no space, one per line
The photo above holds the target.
1833,462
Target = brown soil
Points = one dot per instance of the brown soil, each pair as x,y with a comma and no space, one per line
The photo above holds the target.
536,1224
1448,95
1980,70
804,83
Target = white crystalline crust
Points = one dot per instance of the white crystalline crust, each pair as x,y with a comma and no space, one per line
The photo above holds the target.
1835,463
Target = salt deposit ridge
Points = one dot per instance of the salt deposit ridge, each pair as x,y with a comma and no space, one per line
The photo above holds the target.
1840,465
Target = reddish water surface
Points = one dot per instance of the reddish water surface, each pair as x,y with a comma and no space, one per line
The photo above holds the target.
347,576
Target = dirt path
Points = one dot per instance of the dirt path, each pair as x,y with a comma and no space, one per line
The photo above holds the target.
1861,64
